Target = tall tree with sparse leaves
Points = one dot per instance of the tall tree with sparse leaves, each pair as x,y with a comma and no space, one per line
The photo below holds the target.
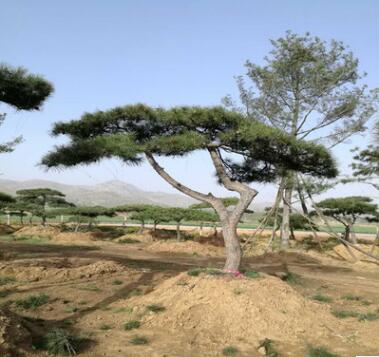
310,90
135,132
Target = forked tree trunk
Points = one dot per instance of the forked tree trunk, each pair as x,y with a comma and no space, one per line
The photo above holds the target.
228,219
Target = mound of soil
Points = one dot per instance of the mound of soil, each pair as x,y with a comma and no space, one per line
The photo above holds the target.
37,231
144,237
74,237
189,247
13,335
342,253
6,229
57,269
221,310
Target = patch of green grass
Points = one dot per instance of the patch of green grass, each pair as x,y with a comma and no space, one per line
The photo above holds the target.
292,278
128,241
370,316
105,327
251,274
128,310
322,298
4,293
155,307
209,271
4,280
71,309
320,352
135,292
343,314
32,301
131,325
139,340
351,297
83,302
269,347
195,271
230,351
89,287
117,282
238,291
61,342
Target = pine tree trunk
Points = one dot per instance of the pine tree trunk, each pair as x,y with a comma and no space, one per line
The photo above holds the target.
232,247
349,236
178,235
285,229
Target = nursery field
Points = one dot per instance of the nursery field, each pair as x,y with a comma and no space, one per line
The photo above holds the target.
116,292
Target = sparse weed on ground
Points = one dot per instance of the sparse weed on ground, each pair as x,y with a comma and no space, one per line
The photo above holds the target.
139,340
269,347
343,314
135,292
320,352
32,301
230,351
128,241
4,293
155,307
251,274
209,271
117,282
4,280
61,342
128,310
71,309
292,278
322,298
238,291
131,325
89,287
351,297
105,327
370,316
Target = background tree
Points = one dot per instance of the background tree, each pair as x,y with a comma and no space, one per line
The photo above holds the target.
85,214
310,90
154,214
137,131
126,211
42,200
6,200
347,210
202,216
22,91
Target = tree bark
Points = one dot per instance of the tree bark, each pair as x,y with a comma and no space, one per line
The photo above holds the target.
285,228
178,235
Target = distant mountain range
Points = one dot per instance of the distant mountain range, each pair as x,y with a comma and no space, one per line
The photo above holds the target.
108,194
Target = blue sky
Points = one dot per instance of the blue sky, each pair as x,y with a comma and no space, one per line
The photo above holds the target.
100,54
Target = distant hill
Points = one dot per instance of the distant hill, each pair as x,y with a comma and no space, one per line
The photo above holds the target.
108,194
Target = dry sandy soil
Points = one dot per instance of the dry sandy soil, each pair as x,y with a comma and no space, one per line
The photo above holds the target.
95,287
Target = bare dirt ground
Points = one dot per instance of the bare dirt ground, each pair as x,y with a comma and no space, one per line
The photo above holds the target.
94,289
